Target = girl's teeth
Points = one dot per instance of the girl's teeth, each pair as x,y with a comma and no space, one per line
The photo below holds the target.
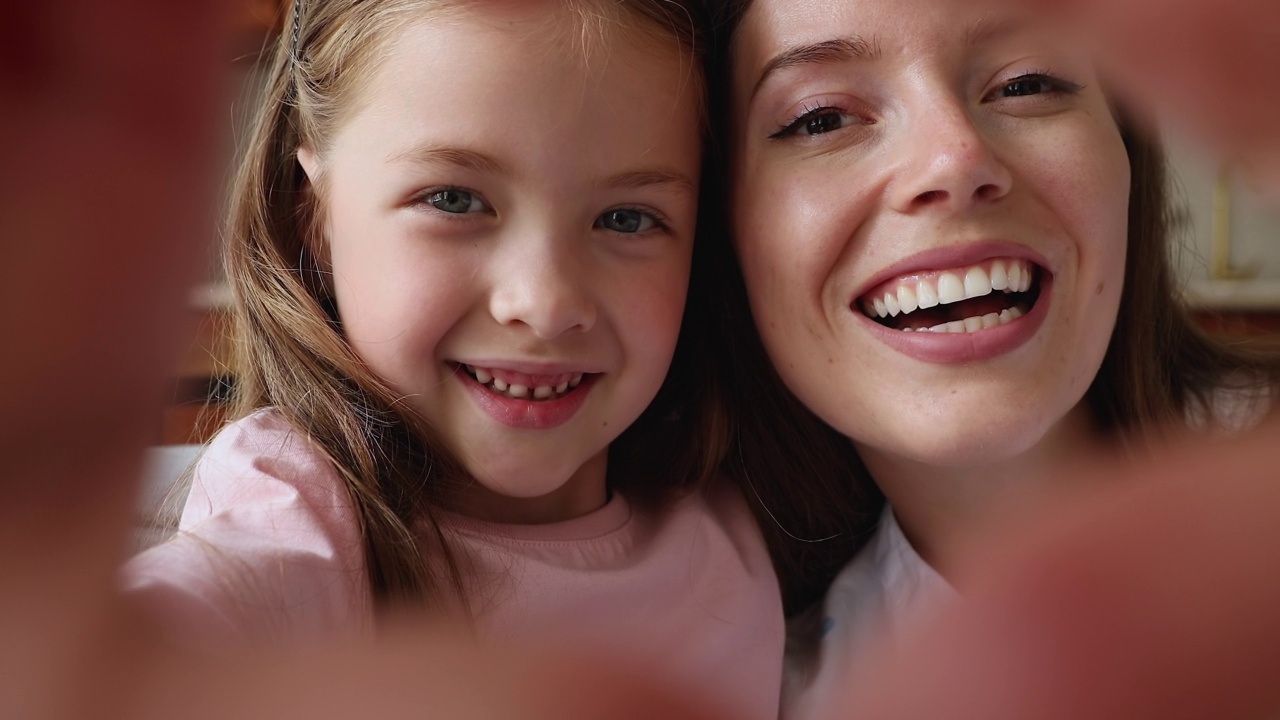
539,392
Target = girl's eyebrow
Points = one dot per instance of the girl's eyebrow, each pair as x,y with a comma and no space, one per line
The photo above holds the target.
460,157
647,178
834,50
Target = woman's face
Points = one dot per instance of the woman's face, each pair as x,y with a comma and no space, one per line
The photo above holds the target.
930,207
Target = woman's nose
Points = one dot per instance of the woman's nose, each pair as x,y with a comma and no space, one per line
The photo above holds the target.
541,283
948,163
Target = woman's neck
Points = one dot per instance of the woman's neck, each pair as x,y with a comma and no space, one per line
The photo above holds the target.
941,508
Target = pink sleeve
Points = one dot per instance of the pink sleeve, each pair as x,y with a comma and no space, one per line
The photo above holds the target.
268,547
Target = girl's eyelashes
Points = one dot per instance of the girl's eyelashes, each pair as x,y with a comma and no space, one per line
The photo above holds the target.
454,201
817,121
1033,84
629,221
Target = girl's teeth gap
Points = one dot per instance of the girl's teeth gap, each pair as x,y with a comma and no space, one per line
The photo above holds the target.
522,392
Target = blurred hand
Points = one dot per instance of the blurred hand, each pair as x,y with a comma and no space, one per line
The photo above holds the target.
109,114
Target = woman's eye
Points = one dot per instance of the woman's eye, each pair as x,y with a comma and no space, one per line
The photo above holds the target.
817,121
1034,84
455,201
627,221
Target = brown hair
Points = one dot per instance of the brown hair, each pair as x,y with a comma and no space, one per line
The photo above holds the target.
812,495
290,351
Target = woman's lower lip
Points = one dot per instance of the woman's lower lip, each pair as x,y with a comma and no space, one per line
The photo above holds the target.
527,414
945,348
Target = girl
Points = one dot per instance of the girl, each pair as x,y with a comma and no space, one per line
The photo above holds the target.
460,243
955,252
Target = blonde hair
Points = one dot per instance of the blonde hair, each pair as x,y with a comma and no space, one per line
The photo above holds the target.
290,352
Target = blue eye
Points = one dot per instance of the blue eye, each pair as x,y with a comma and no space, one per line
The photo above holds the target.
624,220
455,201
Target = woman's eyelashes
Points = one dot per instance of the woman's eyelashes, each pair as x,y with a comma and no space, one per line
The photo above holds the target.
1033,84
817,120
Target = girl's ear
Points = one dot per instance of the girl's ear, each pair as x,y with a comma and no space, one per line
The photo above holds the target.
310,164
314,228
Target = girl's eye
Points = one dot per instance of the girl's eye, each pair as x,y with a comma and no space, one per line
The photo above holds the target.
816,121
1034,84
452,200
625,220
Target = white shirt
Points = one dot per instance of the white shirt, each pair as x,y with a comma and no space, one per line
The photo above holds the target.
886,586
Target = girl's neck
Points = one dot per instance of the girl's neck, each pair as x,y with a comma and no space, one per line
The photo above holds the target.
583,493
942,508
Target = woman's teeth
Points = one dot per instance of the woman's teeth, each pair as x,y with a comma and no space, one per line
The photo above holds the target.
974,324
485,377
906,295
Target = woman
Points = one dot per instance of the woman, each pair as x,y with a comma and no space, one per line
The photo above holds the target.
954,246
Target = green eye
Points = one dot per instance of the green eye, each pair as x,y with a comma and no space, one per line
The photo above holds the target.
455,201
626,221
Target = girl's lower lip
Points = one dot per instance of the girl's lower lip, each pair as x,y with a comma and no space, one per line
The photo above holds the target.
527,414
957,348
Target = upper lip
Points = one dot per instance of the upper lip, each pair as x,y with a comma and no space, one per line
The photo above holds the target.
952,256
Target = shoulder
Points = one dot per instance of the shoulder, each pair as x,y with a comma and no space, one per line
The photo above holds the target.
1236,405
269,542
260,459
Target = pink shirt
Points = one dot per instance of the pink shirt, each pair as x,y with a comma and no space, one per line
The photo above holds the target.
268,548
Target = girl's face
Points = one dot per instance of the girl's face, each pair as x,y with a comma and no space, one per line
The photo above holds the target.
930,206
510,222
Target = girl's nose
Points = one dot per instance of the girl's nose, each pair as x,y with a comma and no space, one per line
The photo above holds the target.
948,164
542,284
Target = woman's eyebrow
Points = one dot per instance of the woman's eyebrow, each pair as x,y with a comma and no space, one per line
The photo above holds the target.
834,50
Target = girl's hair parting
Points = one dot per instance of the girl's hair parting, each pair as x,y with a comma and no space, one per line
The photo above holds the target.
290,353
809,490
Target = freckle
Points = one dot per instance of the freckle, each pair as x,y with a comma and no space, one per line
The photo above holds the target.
831,361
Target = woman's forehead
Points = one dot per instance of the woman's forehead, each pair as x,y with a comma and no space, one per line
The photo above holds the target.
776,33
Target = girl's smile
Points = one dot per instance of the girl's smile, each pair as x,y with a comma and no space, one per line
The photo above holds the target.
532,400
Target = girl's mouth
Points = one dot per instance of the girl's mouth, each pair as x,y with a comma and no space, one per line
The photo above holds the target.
521,386
960,300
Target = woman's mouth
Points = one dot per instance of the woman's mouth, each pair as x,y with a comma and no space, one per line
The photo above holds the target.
522,386
960,300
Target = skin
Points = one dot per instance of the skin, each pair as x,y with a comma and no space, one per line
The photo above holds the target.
71,650
535,218
928,153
